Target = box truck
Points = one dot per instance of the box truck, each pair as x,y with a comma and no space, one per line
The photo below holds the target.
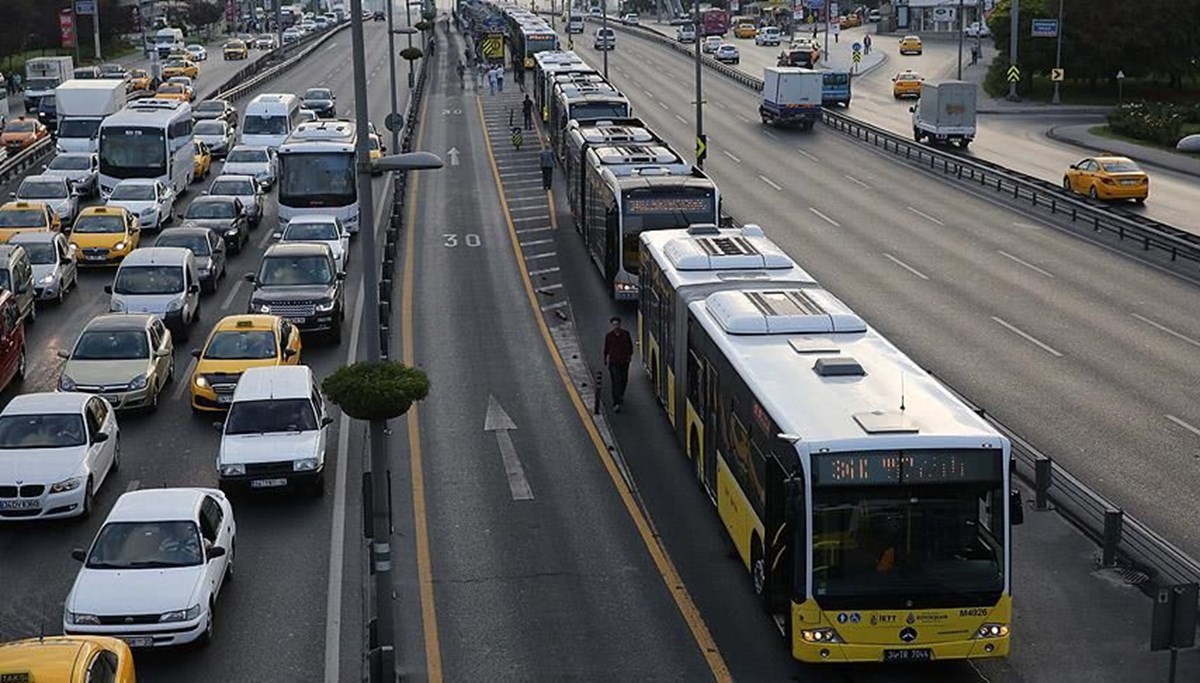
791,96
42,76
82,105
945,113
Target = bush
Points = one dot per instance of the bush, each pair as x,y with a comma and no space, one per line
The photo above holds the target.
412,54
376,390
1152,122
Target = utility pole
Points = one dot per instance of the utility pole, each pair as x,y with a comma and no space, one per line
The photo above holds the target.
1058,52
96,30
1014,32
699,88
412,83
392,73
961,31
604,32
278,7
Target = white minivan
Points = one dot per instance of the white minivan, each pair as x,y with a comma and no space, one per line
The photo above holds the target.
161,281
605,39
269,120
575,24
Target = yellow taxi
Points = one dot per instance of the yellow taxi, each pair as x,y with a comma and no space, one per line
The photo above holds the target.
17,217
235,49
103,235
66,659
1108,177
911,45
907,83
139,80
849,21
375,150
180,67
203,162
745,30
22,132
173,91
237,343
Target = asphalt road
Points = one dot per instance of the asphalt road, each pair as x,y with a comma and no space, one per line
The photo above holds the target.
1085,352
272,621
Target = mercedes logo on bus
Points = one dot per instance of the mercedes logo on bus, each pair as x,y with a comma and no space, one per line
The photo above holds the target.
908,634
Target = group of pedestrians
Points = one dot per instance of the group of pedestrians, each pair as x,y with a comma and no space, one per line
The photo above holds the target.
493,75
12,83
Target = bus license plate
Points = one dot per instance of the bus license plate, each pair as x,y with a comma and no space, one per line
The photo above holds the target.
267,483
925,655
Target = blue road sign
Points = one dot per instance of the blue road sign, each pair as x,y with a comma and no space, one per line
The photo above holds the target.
1044,28
85,6
857,47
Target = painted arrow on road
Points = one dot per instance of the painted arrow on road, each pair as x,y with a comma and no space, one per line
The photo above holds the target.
499,422
453,154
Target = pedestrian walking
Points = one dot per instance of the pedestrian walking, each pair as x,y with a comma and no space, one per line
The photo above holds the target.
481,74
867,44
500,77
547,161
618,351
491,79
527,110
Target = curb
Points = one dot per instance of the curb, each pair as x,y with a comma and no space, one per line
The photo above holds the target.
1047,110
1053,134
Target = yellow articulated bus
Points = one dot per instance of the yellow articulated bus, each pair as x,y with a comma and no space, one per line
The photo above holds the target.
869,505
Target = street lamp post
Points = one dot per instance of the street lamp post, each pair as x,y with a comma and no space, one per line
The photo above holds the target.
961,30
408,5
699,88
1058,52
392,73
604,32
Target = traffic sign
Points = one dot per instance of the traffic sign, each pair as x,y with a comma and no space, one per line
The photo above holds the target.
1057,75
701,147
1014,74
857,57
857,47
1044,28
1120,75
85,6
394,122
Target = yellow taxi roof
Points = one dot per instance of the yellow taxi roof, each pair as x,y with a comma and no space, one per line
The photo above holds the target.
53,658
257,321
21,204
103,211
1113,157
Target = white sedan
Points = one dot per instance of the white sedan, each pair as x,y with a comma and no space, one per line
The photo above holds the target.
155,569
326,230
728,54
197,52
150,200
257,162
56,450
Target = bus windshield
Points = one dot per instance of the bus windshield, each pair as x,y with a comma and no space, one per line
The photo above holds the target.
133,152
318,179
660,209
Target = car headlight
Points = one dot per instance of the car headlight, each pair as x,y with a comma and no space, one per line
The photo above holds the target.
77,618
232,232
119,246
181,614
820,635
304,465
138,382
200,381
175,305
66,485
991,631
46,280
233,470
116,306
326,306
65,383
147,212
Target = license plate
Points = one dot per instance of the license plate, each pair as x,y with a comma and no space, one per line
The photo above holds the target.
925,655
267,483
224,399
139,641
1129,182
295,319
20,504
95,257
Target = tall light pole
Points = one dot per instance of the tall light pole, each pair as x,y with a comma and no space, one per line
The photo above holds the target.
604,32
1058,52
408,5
699,88
395,100
1014,31
961,31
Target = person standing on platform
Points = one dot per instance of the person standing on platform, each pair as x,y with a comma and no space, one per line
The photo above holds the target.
618,352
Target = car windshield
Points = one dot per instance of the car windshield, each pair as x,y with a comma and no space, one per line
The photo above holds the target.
53,430
295,270
241,345
97,223
1122,166
317,94
198,244
170,88
20,127
176,64
265,125
146,545
40,253
210,105
22,218
247,156
70,162
42,189
277,415
299,232
111,345
133,192
209,128
149,280
238,188
224,209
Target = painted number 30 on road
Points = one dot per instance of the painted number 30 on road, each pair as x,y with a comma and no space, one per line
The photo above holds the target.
451,240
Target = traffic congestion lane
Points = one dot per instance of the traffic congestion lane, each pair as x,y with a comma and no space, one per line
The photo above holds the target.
538,571
282,553
1085,407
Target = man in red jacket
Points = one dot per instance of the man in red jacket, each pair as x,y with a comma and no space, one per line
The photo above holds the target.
618,351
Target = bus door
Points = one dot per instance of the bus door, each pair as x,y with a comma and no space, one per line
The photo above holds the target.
612,243
783,519
712,404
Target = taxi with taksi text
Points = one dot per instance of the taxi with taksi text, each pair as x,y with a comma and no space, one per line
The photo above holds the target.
180,67
17,217
1108,177
911,45
67,659
103,235
907,83
237,343
235,49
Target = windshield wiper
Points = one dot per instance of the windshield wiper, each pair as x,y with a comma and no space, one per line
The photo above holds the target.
157,564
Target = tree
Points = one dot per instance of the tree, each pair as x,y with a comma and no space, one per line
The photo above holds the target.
203,13
376,390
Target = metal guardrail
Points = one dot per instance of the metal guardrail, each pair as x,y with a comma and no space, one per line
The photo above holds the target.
26,159
1151,235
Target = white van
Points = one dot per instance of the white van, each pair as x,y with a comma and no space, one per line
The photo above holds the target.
161,281
168,40
605,39
575,24
269,120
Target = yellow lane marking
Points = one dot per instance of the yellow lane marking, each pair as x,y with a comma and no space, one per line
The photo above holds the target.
433,648
666,568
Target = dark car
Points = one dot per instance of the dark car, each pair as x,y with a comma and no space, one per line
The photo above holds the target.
380,16
223,215
207,246
215,109
300,282
320,100
47,113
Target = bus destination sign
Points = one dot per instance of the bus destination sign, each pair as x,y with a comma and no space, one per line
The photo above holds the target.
907,467
668,204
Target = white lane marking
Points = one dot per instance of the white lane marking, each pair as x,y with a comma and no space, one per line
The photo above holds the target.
237,285
905,266
1028,337
528,230
337,528
743,118
825,218
720,106
544,271
807,155
681,119
1181,423
1027,226
856,181
557,304
546,288
525,220
926,216
770,135
649,94
1164,328
770,182
533,257
1027,264
533,243
499,422
331,46
735,159
664,106
185,380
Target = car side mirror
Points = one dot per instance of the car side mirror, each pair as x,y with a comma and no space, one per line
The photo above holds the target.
100,437
249,277
12,194
341,275
218,425
1074,167
912,109
193,288
78,554
1016,507
215,552
195,353
64,354
108,289
162,353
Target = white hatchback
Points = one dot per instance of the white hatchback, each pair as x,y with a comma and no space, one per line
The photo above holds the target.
148,199
155,569
322,229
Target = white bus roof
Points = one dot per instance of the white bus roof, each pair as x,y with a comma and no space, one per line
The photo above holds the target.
634,158
149,112
827,378
608,131
705,254
321,134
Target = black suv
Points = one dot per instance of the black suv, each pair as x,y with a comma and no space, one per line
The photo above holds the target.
223,215
300,282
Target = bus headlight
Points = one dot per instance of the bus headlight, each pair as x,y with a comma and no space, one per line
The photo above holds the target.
820,635
991,631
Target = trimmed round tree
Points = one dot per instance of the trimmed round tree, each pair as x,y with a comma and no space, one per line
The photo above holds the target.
377,390
412,54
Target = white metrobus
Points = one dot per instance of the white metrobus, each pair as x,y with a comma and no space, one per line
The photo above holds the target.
149,138
318,173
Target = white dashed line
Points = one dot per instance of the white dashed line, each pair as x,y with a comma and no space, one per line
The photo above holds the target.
1183,424
856,181
770,182
735,159
905,266
1164,328
825,218
926,216
807,155
1028,337
1027,264
681,119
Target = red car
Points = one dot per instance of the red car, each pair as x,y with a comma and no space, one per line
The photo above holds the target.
12,340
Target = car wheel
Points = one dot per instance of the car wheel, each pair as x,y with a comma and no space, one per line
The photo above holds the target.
1140,200
62,292
206,637
19,375
1092,192
31,318
229,563
170,372
89,500
318,486
1066,183
116,463
152,406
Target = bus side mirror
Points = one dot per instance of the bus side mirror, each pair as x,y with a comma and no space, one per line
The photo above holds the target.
1016,507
